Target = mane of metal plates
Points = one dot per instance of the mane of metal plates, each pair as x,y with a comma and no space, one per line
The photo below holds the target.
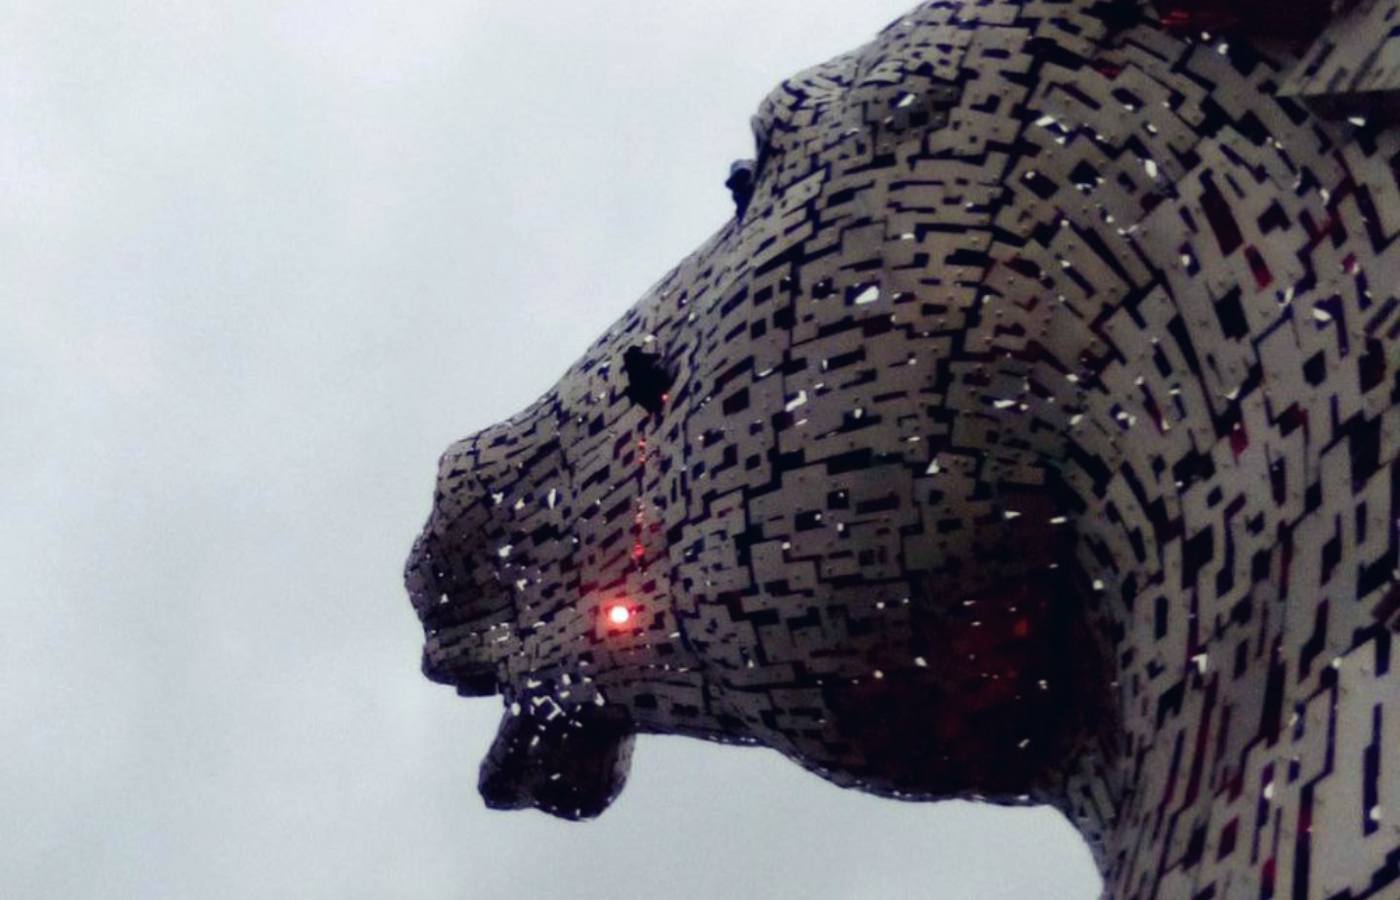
1029,435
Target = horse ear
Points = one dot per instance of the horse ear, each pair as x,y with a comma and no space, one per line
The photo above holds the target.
571,766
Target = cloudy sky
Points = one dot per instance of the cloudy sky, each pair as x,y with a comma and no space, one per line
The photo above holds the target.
259,263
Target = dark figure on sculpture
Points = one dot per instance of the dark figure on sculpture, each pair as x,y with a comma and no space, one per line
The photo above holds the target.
1030,435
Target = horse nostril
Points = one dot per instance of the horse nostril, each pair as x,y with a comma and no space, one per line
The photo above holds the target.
647,379
741,185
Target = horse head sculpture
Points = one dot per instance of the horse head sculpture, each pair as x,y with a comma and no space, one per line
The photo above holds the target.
1029,434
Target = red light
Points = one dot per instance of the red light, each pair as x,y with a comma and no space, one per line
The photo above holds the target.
618,614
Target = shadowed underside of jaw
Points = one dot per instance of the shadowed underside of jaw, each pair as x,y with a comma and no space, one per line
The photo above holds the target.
571,766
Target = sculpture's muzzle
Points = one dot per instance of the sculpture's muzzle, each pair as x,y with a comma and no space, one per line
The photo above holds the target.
464,613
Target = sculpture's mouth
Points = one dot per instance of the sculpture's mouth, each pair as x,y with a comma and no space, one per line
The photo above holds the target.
469,677
460,627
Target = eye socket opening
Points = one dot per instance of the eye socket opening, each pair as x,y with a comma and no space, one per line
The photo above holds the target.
648,381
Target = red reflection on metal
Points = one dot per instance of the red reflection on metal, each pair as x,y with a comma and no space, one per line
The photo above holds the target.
1262,276
639,519
1289,18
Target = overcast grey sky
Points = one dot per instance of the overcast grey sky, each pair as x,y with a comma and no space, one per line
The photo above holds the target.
259,264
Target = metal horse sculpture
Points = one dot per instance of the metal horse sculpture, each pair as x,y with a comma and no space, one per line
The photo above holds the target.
1030,434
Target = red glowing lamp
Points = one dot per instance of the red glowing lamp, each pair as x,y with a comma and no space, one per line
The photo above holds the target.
618,614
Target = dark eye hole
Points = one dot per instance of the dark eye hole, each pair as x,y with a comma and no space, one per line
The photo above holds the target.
647,379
